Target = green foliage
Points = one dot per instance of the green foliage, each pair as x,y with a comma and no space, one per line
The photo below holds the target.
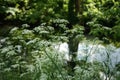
26,51
20,50
76,31
99,30
30,54
32,11
60,25
116,33
103,15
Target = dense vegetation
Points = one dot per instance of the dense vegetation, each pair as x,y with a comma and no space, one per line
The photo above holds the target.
30,30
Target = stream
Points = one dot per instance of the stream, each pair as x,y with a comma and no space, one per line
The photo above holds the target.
93,52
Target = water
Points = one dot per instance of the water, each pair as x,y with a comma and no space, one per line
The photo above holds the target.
93,52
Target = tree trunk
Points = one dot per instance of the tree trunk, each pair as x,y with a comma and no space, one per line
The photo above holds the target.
71,13
77,6
73,48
